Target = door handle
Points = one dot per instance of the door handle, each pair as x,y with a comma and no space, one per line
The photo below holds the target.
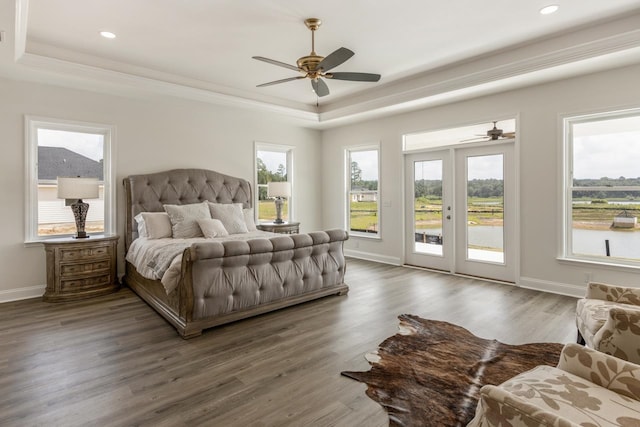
448,216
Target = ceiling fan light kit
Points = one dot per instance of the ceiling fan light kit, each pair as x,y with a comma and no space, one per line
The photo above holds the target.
315,67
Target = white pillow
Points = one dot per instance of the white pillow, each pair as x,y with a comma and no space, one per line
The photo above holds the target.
153,225
212,228
249,220
231,216
184,219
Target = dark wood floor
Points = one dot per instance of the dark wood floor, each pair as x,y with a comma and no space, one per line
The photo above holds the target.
112,361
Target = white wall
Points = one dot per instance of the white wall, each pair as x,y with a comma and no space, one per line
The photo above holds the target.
539,108
151,135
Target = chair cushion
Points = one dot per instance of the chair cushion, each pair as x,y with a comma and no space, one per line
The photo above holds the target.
550,396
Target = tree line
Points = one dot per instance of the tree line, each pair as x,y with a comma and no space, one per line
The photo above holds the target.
475,188
606,182
357,183
265,176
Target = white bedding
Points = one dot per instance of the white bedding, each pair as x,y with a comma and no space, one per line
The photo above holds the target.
160,259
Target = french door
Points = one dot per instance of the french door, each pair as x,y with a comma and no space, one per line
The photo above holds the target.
460,211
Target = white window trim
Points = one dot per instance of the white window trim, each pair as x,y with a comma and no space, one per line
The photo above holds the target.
566,240
32,124
289,150
347,188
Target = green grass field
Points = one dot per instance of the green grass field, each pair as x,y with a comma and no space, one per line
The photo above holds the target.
268,210
482,211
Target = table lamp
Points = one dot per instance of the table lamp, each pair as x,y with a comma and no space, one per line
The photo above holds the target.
281,191
78,189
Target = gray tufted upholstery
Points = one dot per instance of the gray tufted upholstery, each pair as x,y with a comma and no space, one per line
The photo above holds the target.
244,274
148,193
226,281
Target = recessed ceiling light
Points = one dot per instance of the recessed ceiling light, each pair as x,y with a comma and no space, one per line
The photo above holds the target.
548,10
107,35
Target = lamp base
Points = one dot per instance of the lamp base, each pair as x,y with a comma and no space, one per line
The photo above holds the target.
279,203
80,210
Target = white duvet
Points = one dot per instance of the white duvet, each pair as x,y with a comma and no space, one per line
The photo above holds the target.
160,259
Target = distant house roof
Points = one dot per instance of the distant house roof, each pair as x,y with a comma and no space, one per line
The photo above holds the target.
57,161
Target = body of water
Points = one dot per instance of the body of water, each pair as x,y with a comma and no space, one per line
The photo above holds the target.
622,244
610,202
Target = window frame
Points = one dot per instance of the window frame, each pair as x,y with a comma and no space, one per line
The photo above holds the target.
277,148
347,182
32,125
567,183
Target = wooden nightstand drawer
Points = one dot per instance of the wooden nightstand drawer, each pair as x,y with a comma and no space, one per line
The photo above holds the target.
85,284
84,253
80,268
73,269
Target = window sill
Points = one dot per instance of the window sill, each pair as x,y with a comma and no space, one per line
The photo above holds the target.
368,236
606,265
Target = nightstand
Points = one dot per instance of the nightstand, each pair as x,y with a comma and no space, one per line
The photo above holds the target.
80,268
284,228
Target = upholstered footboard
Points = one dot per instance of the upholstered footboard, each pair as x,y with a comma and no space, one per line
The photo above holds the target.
227,281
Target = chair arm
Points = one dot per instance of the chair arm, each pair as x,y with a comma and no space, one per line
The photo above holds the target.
620,334
621,294
498,407
607,371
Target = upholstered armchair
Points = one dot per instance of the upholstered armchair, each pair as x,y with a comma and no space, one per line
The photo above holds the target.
608,320
587,388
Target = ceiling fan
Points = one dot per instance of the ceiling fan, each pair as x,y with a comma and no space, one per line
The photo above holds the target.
493,135
316,67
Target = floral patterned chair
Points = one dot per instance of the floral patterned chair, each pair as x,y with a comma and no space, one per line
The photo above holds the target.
608,320
587,388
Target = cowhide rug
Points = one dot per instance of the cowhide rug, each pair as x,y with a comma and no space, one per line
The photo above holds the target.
429,373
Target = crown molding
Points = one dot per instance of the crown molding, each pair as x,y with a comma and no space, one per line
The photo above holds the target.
434,89
588,49
88,77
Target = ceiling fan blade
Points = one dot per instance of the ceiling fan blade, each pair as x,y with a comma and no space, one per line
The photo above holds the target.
281,81
320,87
274,62
334,59
509,135
355,77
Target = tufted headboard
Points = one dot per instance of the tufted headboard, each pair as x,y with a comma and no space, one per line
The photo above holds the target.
148,193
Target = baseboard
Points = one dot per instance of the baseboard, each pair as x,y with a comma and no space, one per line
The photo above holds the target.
368,256
553,287
22,293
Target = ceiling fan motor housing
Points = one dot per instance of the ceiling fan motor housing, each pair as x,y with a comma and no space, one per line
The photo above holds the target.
309,63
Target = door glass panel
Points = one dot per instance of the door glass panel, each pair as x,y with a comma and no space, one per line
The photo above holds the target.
485,208
427,213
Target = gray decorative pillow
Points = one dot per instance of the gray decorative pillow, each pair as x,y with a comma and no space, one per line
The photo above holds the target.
154,225
231,216
248,219
212,228
184,219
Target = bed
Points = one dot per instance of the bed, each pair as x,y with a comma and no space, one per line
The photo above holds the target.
221,280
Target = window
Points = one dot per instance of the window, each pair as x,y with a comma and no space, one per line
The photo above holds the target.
273,163
363,216
602,187
69,149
